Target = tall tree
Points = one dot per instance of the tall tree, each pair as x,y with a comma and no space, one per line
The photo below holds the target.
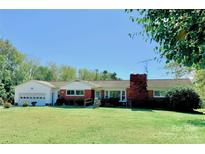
199,82
179,33
10,61
105,75
54,71
67,73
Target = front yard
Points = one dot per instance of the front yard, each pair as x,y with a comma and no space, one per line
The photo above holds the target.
102,125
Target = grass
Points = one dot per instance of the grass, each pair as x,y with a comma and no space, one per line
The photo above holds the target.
102,125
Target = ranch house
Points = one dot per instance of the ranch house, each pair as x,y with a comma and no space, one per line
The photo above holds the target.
47,92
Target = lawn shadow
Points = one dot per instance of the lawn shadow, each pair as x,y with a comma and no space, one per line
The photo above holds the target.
197,122
142,109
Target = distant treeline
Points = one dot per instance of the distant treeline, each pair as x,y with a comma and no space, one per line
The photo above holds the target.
16,68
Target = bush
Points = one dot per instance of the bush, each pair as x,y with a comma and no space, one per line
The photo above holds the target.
183,99
60,101
1,101
7,105
110,102
16,104
33,103
79,102
48,104
25,104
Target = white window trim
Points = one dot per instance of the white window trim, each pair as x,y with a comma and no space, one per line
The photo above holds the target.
75,92
120,94
80,95
99,94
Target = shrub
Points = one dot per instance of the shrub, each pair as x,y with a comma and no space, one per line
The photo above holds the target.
16,104
110,102
69,102
25,104
79,102
7,105
33,103
48,104
1,101
60,101
183,99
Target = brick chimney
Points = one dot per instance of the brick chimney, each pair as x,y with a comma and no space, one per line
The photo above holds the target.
138,87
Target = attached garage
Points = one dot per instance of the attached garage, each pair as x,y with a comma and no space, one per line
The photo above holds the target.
35,91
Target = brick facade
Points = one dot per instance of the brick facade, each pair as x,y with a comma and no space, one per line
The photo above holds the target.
138,87
88,93
136,91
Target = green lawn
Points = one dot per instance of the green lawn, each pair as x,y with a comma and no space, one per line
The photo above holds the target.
102,125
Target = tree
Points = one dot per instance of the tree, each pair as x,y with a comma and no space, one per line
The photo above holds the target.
113,76
43,73
105,75
177,70
199,83
2,92
10,62
180,34
67,73
85,74
54,71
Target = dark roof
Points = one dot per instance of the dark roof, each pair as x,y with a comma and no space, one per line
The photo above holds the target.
152,83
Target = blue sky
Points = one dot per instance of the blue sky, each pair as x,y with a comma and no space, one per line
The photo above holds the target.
93,39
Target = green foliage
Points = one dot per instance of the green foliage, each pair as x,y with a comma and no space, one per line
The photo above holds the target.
67,73
7,105
85,74
183,99
1,101
25,104
199,84
178,71
10,62
179,33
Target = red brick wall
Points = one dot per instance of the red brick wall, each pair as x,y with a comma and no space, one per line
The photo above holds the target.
138,87
87,94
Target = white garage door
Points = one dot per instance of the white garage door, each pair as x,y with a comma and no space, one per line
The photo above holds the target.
40,98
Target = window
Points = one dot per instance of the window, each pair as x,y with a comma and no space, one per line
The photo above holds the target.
115,94
75,92
79,92
123,95
70,92
159,93
97,94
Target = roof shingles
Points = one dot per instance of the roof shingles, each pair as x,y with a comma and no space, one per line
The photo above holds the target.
152,84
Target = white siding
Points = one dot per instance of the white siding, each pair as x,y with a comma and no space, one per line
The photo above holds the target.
33,88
